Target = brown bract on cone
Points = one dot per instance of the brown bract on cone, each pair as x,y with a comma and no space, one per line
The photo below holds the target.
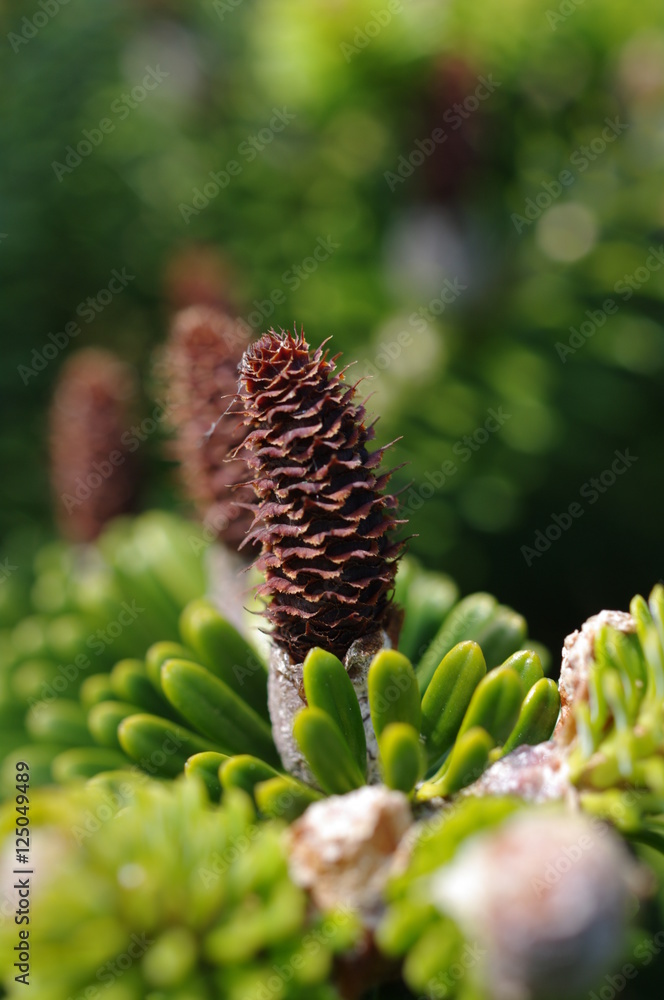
201,364
93,473
321,519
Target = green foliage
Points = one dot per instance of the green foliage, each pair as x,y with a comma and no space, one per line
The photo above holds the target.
79,764
427,598
105,718
198,693
402,758
327,686
169,714
466,761
214,709
528,665
225,652
181,898
130,682
495,704
412,929
326,751
244,771
82,629
480,712
206,766
284,797
448,695
616,757
537,717
494,627
159,746
393,694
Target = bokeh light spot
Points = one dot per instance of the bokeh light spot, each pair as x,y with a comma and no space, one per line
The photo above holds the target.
567,232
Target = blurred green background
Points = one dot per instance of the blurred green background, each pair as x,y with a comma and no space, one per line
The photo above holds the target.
483,186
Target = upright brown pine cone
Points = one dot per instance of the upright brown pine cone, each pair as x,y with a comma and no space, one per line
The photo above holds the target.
321,519
93,469
201,365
